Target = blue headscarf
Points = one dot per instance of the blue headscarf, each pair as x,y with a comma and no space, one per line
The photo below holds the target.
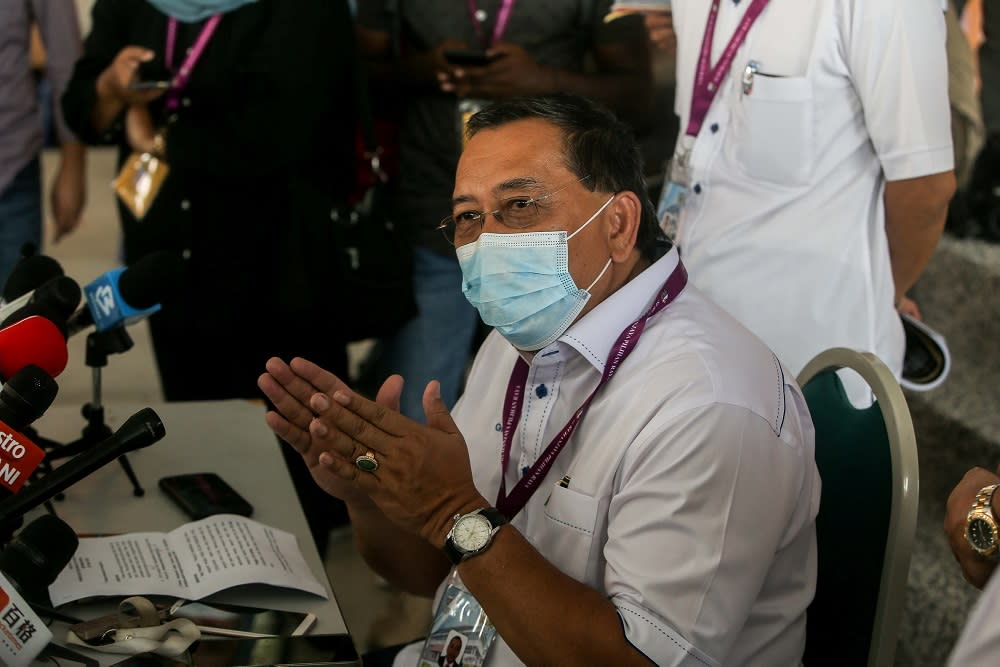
192,11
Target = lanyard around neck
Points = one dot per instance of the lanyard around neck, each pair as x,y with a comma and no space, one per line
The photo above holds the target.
499,27
512,503
707,78
194,54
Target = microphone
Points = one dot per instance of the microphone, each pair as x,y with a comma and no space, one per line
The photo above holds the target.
35,557
140,430
23,399
61,294
30,273
28,565
35,340
127,295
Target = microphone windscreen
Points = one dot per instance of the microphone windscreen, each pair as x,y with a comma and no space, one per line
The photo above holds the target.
37,554
30,273
151,279
26,396
41,310
33,340
62,294
140,430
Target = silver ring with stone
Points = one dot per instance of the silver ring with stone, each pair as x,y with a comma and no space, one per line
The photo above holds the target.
366,462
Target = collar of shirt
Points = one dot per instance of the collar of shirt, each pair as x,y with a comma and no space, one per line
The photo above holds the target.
593,337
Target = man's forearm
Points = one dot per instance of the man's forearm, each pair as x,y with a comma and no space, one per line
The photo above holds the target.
402,557
73,155
915,212
524,594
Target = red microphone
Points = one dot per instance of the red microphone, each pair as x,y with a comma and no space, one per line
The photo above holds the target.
34,340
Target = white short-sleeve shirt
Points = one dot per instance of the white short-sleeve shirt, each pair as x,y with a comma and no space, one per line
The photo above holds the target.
692,488
979,643
785,224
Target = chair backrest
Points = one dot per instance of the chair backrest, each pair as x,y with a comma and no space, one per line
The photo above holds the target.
867,460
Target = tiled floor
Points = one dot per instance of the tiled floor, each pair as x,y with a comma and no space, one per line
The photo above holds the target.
375,615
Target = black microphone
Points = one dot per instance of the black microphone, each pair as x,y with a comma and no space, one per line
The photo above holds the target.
26,396
125,296
62,294
140,430
30,273
36,555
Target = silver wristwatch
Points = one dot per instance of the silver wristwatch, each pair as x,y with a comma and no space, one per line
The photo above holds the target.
472,533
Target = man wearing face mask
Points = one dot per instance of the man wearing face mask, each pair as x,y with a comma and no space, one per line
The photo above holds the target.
626,458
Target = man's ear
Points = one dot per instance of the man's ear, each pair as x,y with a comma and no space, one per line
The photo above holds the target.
626,213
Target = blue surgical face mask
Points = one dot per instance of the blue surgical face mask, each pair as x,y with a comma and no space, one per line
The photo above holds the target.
521,285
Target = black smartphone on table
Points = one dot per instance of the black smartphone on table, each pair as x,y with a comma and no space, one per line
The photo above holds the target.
203,494
468,57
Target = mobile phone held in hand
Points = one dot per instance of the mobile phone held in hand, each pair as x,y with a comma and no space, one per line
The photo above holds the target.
203,494
468,57
150,76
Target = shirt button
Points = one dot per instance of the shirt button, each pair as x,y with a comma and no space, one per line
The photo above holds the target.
186,253
185,205
481,15
172,118
714,128
697,188
541,391
186,102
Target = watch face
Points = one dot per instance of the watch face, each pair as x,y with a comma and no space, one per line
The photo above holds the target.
981,533
472,532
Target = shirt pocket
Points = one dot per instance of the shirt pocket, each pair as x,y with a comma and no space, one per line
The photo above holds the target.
774,136
570,518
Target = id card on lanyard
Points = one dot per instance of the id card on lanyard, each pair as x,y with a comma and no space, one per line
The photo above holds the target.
707,80
469,106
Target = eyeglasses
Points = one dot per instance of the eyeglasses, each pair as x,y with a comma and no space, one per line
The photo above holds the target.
515,213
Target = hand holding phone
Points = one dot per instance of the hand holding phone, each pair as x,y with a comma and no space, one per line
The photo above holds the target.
468,57
203,494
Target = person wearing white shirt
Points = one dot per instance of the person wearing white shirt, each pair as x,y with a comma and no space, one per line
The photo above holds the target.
640,466
819,172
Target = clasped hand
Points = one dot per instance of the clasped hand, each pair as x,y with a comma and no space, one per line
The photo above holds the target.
512,72
423,477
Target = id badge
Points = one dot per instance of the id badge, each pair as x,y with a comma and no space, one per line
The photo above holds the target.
675,192
139,181
466,109
461,633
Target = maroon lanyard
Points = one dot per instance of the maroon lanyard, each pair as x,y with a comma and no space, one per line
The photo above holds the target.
512,503
194,54
707,79
499,27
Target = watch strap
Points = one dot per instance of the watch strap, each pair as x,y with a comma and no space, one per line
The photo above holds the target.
491,514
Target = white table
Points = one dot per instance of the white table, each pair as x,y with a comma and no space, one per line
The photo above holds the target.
229,438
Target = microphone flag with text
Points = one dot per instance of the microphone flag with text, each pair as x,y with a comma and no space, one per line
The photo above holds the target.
124,296
28,565
23,399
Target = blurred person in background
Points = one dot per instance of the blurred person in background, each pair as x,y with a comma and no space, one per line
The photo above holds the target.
811,180
252,130
22,126
526,48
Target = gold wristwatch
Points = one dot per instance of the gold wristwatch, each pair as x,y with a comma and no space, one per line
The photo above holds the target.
981,525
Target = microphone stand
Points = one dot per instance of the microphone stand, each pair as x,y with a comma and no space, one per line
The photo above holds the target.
100,344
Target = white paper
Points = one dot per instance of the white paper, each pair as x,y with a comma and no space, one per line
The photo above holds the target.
192,561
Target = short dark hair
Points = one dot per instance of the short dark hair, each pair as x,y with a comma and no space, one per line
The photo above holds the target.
595,143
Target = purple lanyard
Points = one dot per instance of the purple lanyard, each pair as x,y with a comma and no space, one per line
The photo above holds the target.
194,54
707,79
510,504
503,18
